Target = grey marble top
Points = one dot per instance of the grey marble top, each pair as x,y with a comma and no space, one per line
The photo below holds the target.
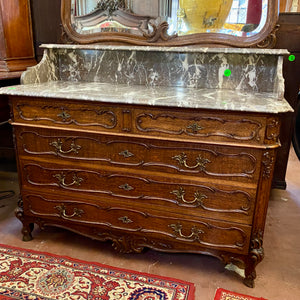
190,49
231,100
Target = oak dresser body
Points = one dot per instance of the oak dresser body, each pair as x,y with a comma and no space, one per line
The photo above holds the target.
143,165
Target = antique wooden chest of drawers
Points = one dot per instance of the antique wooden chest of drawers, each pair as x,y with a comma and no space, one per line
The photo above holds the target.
175,179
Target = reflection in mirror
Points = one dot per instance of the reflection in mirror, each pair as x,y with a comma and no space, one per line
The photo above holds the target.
234,17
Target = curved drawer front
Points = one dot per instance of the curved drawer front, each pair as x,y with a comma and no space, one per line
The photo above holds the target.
67,115
227,163
207,126
182,196
177,232
185,125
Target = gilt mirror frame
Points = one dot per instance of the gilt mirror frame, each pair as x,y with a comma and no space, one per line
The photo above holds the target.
266,38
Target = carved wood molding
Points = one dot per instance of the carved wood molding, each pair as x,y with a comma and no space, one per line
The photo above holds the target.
268,164
256,255
110,5
199,165
63,115
273,130
124,243
270,40
160,38
159,33
193,126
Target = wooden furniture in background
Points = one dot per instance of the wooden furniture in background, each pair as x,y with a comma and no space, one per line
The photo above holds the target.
46,23
16,42
16,54
7,153
288,37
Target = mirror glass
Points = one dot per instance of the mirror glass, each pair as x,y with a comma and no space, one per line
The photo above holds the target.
242,18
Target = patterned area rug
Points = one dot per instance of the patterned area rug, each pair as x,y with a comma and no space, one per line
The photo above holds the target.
27,274
222,294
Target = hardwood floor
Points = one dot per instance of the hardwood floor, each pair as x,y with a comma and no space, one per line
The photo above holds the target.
277,276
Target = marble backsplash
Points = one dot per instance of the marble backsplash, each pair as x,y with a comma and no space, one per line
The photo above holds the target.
250,70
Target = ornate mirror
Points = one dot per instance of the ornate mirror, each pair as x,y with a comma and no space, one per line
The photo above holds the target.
237,23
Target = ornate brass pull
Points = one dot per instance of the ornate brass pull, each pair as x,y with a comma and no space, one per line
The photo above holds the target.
198,197
62,177
126,187
125,220
64,115
194,127
59,144
126,153
62,211
201,162
195,232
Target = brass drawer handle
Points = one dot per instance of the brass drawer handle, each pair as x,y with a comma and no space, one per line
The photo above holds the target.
126,153
62,177
125,220
195,232
194,128
198,197
63,213
64,115
201,162
58,145
126,187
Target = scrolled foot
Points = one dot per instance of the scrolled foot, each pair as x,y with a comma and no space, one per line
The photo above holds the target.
249,282
27,237
27,232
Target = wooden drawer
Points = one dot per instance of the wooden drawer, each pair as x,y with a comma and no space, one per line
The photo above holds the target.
209,161
177,232
207,126
183,124
189,197
58,113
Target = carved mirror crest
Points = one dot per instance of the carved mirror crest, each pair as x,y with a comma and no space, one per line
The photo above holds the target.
237,23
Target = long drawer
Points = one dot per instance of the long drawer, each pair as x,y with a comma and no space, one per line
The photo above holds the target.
185,196
210,161
183,124
179,232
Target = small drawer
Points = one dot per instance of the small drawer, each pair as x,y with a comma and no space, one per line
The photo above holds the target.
182,196
204,126
210,161
58,113
177,232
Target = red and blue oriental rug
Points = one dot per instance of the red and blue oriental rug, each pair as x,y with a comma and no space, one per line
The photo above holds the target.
31,275
222,294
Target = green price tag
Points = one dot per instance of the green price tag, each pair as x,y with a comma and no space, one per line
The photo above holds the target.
12,88
292,58
227,73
